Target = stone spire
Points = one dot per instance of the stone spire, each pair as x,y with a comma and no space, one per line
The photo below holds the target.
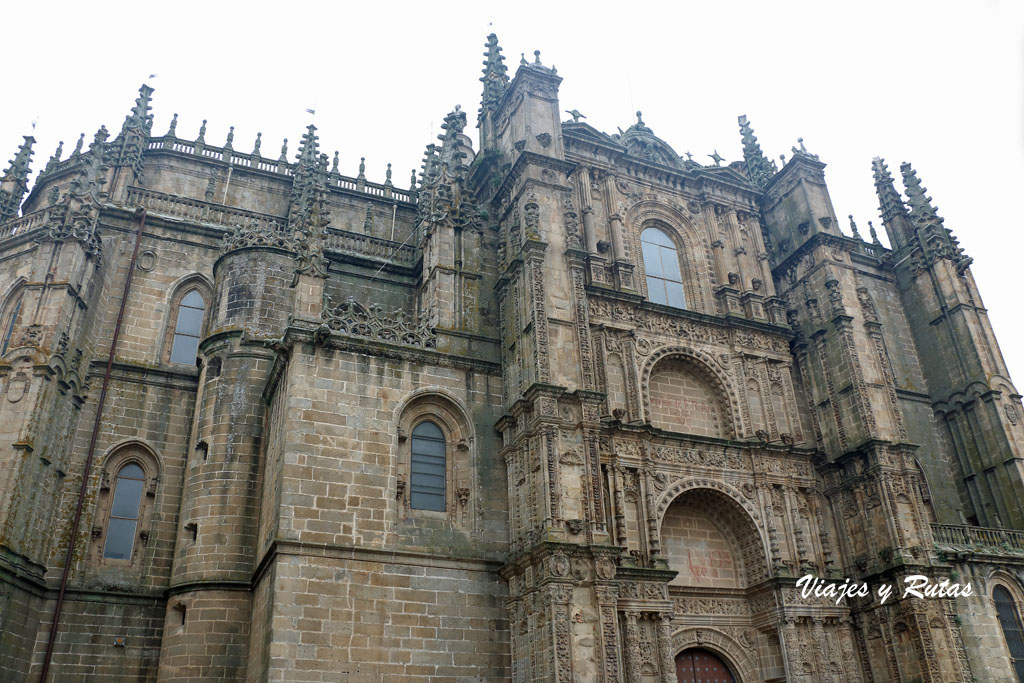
307,212
495,78
890,204
759,168
922,213
140,119
443,194
14,183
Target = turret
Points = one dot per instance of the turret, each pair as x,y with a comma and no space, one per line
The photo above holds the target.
796,203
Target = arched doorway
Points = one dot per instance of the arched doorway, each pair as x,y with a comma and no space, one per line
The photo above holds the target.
697,665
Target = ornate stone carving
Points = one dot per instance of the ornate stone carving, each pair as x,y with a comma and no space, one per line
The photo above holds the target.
353,319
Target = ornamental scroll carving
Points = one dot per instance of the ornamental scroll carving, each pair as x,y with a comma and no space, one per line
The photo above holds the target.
259,234
353,319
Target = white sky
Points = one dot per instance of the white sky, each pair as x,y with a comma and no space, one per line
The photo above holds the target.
935,83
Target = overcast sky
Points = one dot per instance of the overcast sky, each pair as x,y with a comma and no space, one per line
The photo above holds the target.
938,84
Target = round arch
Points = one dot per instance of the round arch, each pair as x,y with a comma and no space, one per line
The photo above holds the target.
741,513
691,245
706,367
735,654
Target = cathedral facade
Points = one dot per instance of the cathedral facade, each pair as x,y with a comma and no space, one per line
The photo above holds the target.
570,408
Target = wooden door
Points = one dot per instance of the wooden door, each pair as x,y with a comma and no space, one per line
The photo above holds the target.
702,666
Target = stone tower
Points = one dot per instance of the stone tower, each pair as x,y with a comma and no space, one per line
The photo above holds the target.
572,407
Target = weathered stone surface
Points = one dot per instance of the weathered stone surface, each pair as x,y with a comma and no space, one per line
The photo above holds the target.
618,481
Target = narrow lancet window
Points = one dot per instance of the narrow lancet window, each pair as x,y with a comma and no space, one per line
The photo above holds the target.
1009,619
428,474
8,325
124,513
188,328
661,263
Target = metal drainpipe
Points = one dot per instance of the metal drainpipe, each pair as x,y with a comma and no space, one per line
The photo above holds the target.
140,215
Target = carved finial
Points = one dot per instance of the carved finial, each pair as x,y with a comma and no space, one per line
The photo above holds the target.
211,186
55,159
228,144
536,57
173,128
201,140
387,175
759,169
283,159
412,181
368,221
334,165
782,158
874,235
362,169
639,118
717,158
78,146
256,145
853,228
522,59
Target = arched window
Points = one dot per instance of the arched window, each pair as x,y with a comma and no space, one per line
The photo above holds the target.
124,512
1009,620
661,263
188,328
8,321
427,474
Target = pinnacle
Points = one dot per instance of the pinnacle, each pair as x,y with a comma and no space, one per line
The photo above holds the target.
19,165
140,118
759,168
495,78
921,208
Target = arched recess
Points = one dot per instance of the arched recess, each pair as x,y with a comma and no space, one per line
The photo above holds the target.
194,282
693,249
444,410
709,534
11,308
704,373
735,654
116,461
1007,599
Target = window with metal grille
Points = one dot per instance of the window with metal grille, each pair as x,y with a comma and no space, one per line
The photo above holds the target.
427,474
661,264
124,513
1009,619
8,325
188,328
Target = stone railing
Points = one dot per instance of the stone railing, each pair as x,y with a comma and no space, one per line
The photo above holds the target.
345,242
195,210
22,225
976,536
275,166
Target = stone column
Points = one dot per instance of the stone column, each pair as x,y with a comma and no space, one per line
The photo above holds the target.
665,649
632,649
